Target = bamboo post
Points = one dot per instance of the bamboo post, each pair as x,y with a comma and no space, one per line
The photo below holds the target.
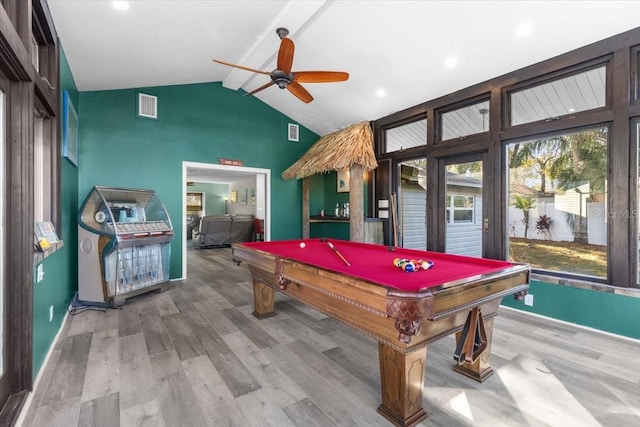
356,203
305,209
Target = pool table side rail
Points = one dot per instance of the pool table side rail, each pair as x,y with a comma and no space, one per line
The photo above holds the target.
292,278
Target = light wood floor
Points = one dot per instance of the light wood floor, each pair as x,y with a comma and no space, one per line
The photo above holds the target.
193,355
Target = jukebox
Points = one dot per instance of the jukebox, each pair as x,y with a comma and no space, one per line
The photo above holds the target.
124,245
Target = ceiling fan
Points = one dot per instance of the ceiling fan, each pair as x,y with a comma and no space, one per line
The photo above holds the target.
285,78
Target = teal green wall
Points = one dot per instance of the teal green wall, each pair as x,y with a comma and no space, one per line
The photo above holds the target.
61,268
214,193
608,312
197,123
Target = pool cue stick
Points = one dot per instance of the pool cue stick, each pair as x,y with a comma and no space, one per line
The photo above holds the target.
394,218
333,248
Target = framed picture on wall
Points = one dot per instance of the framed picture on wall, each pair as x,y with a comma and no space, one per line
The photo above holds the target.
252,196
343,181
69,130
234,196
242,197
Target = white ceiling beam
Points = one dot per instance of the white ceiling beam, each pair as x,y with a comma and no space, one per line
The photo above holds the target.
293,16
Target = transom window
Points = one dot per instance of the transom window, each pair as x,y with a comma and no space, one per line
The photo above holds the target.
465,121
406,136
580,92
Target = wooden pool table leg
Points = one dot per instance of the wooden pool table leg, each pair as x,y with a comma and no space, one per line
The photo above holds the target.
264,298
481,369
402,378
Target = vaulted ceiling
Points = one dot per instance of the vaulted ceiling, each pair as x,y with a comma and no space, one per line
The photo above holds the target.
398,53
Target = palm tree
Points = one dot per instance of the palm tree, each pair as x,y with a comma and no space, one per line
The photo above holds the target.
525,204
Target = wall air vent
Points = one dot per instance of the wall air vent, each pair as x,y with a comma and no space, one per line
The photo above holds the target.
293,132
147,106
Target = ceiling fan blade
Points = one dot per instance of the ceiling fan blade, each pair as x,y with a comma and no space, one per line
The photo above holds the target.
285,55
259,89
320,76
241,67
300,92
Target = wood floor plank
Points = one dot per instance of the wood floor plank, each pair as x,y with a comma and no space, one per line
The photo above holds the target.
137,383
191,314
182,336
106,321
68,378
83,323
129,320
284,390
103,366
156,335
252,330
208,386
330,397
305,413
260,408
58,414
177,400
102,411
235,375
215,318
146,414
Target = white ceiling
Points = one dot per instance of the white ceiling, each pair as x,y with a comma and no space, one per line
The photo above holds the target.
397,46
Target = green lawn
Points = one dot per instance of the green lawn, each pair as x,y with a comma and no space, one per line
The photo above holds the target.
568,257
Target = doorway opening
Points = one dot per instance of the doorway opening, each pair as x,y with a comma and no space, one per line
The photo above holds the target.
254,182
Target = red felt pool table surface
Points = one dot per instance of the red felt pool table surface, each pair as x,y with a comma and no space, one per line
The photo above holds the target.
374,263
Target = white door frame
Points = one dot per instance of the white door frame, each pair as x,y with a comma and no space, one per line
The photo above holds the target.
263,204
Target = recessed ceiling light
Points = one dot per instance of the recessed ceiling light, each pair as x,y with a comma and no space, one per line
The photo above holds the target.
524,29
451,61
381,93
572,110
120,5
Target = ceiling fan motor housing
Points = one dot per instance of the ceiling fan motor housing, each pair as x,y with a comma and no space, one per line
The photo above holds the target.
281,78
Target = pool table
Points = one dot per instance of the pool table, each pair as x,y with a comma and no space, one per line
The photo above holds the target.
359,284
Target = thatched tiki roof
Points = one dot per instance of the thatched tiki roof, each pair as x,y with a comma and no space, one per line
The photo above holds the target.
336,151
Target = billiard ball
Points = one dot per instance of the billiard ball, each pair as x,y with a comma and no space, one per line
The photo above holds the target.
302,245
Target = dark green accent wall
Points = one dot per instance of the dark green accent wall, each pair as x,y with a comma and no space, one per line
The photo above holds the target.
618,314
61,268
197,123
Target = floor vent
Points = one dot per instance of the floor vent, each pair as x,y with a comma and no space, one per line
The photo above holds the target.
293,132
148,106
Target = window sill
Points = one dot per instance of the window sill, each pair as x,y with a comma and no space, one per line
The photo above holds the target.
39,256
585,284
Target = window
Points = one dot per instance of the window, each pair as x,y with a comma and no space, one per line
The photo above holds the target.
465,121
580,92
2,229
44,180
637,212
406,136
460,209
412,203
557,212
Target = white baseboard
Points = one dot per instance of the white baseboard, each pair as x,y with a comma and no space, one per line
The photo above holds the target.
27,404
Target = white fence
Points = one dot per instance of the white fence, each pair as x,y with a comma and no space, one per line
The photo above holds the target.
561,214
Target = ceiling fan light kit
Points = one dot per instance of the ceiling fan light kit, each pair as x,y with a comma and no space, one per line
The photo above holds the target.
284,78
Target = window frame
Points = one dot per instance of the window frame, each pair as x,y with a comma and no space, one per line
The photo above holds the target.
620,55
